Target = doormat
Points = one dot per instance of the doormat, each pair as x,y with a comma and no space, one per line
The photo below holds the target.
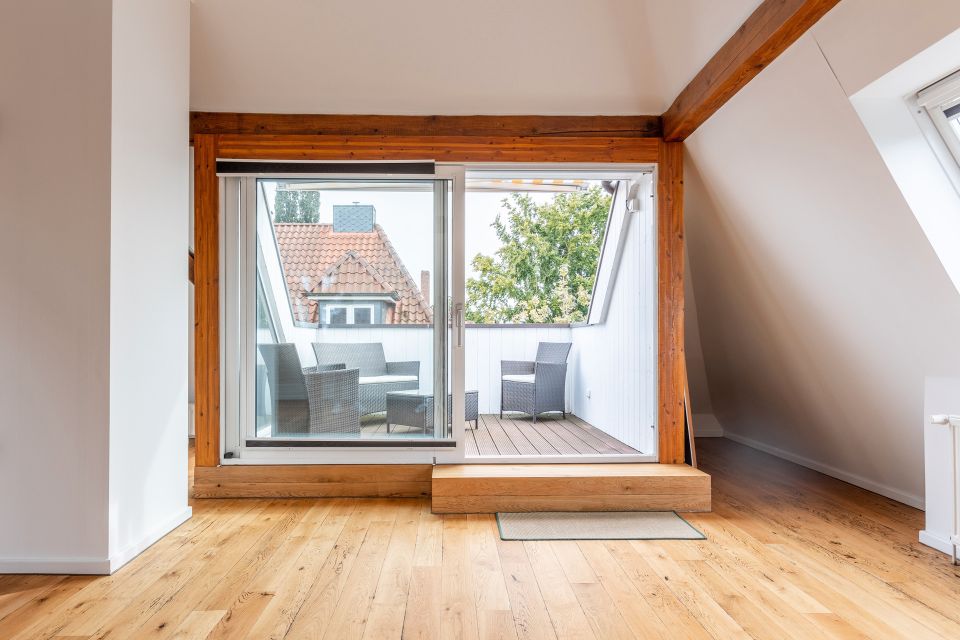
596,525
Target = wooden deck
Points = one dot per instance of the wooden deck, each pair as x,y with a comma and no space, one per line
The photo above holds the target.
517,435
549,436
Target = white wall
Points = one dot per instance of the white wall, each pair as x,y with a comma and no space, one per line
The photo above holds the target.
453,56
821,305
148,273
54,270
705,423
614,363
92,371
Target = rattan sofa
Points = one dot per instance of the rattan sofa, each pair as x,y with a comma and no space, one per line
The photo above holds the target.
377,376
539,386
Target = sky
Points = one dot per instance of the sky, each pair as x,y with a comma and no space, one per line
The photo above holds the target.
407,219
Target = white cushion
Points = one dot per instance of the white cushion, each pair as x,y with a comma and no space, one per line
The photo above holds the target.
385,379
524,377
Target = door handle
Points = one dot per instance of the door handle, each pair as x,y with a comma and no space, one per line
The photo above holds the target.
459,322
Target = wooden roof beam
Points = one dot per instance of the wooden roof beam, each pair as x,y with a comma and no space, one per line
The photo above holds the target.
770,29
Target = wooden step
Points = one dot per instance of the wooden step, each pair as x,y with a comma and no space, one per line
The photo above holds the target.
488,488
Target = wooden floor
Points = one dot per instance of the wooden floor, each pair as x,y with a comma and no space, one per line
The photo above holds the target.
790,554
550,435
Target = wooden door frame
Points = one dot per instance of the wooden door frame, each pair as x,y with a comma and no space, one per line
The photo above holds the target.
533,139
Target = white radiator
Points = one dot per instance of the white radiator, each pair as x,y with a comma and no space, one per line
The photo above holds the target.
952,423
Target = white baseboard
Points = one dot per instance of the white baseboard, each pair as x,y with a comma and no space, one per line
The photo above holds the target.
706,425
938,541
121,558
93,566
860,481
74,566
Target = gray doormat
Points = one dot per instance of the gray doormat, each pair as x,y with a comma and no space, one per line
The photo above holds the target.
596,525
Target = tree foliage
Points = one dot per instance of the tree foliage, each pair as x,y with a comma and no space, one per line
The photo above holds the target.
297,206
545,267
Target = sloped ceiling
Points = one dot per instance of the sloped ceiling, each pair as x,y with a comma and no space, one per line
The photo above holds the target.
821,304
567,57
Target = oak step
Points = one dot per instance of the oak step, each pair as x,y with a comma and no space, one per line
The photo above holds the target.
488,488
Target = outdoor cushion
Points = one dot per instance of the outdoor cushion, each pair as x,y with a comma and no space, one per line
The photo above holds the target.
526,377
386,379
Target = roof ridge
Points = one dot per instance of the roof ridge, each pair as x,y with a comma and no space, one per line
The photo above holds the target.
351,254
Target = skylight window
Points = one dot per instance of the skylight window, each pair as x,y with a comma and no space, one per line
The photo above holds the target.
942,104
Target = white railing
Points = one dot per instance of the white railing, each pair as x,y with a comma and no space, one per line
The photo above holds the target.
486,346
605,375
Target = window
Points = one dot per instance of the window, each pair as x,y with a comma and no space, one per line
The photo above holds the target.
942,103
362,315
336,315
350,314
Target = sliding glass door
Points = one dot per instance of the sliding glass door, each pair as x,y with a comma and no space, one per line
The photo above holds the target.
371,318
345,316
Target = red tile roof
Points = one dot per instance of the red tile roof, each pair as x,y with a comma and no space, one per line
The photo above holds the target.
318,261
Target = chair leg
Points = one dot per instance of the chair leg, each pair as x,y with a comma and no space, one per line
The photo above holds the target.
564,415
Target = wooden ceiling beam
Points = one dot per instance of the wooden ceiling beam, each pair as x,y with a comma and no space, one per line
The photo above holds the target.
770,29
202,122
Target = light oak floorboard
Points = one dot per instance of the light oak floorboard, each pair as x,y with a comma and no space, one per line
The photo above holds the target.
790,554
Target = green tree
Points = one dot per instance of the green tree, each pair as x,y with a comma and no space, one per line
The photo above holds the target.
297,206
545,266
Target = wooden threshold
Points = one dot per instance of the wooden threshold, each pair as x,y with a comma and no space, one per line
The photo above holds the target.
489,488
313,481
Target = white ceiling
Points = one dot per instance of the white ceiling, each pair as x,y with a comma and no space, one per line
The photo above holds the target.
451,56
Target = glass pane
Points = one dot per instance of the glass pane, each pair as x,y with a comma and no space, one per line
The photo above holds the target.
362,315
348,267
560,331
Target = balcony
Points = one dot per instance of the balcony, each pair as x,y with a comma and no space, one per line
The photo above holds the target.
609,409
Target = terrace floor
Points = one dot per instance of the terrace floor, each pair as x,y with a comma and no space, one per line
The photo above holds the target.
517,435
549,436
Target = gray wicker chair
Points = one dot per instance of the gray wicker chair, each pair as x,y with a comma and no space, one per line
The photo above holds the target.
536,387
286,387
315,400
334,396
377,376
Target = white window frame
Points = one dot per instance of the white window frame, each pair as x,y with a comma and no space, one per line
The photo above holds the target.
350,309
238,250
929,105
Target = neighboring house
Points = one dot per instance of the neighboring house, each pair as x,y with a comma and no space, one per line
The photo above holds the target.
349,273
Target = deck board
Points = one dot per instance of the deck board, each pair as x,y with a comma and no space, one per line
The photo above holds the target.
550,436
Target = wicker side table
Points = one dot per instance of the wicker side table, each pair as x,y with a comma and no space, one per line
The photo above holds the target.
414,408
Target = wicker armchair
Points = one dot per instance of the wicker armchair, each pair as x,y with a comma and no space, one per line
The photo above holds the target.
315,400
286,387
539,386
334,399
377,376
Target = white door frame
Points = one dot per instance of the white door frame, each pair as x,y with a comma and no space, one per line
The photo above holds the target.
237,366
238,265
